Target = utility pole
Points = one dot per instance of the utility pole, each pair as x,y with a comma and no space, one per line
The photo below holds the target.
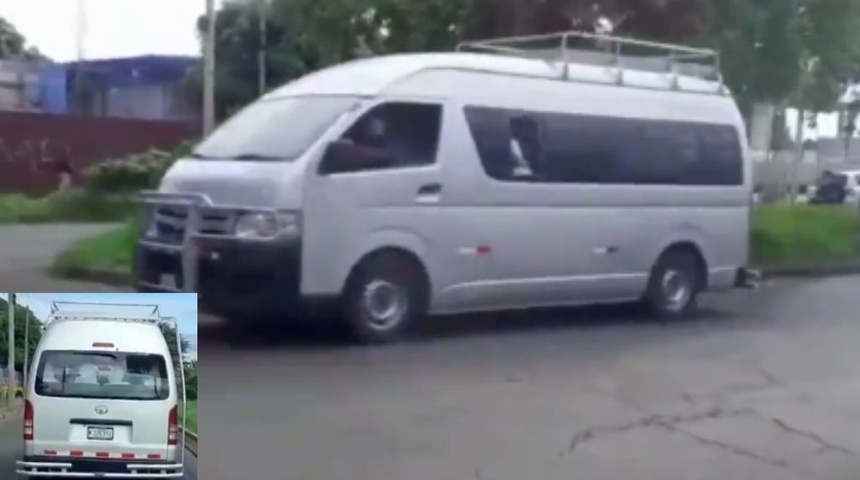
26,346
261,54
81,32
209,69
11,324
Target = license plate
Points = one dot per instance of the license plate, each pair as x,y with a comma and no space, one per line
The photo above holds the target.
99,433
168,281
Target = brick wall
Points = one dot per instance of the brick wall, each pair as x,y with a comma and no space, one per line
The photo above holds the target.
29,141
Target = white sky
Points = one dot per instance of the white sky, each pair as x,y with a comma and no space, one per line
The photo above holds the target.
113,28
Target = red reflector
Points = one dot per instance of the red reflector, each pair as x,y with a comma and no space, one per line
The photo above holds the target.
127,455
483,250
102,345
50,452
153,456
76,453
102,454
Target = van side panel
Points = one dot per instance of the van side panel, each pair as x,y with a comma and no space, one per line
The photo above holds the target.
549,239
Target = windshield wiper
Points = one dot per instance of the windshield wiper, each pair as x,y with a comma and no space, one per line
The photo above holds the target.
255,156
200,156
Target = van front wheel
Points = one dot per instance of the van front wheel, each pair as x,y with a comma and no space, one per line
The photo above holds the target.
674,285
384,296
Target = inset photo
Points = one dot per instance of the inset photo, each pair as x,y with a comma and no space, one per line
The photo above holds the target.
99,385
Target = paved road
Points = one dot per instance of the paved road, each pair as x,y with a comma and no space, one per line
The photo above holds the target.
10,451
27,250
764,385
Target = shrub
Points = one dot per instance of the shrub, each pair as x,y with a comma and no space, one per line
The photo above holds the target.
134,172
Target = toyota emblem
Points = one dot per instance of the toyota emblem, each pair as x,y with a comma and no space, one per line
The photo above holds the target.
101,410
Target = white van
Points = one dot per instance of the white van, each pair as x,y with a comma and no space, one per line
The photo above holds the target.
102,401
455,182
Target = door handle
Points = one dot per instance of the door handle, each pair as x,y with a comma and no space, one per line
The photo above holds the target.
430,189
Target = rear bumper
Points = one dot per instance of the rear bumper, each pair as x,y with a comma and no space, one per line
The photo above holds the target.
54,467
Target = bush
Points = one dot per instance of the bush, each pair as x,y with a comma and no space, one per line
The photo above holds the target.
130,174
134,172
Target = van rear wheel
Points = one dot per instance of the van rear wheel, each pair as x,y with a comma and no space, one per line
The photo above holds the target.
674,285
385,295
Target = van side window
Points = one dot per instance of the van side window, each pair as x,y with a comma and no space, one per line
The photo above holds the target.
407,132
567,148
509,143
721,152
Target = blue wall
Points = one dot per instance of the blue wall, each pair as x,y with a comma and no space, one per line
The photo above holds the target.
53,89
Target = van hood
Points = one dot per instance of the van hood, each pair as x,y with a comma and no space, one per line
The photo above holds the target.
237,183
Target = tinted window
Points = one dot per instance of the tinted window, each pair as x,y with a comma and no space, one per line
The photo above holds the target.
594,149
407,133
105,375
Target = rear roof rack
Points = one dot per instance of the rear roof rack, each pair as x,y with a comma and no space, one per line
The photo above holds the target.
57,314
620,55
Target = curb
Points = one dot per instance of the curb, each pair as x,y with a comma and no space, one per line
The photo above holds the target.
810,271
190,442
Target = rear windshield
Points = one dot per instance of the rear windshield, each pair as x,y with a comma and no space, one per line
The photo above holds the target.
104,375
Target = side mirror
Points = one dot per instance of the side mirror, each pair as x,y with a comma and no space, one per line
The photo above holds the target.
342,156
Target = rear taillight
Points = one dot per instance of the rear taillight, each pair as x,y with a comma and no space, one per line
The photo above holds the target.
28,421
172,426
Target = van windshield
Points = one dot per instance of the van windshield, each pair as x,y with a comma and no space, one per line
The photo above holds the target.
280,129
103,375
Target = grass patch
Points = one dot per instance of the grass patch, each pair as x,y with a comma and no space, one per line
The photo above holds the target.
191,416
804,235
68,206
111,251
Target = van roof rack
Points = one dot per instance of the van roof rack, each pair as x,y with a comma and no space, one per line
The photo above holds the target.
619,54
97,313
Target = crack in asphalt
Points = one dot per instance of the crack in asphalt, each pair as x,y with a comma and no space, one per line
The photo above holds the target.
673,423
821,441
743,452
656,420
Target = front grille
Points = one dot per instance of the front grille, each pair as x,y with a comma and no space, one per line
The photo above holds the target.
170,222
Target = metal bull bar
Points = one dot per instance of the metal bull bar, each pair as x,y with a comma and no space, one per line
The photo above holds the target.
194,204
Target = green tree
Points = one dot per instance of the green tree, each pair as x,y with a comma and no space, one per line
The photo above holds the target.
14,45
35,334
191,379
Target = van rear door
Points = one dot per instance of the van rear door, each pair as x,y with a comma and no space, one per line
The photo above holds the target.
102,405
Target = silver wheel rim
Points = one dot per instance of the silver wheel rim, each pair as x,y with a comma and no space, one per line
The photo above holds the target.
677,290
383,304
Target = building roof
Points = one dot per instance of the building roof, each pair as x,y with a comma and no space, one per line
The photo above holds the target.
116,72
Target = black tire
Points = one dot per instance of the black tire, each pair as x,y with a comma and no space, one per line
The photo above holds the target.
684,269
391,275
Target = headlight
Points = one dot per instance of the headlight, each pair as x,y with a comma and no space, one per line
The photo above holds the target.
266,225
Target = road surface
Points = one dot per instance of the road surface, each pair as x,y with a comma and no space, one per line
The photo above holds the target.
27,251
764,385
10,451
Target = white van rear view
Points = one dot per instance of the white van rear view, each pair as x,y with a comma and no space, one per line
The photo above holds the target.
102,401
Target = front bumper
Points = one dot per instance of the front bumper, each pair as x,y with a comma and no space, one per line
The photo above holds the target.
53,467
233,276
